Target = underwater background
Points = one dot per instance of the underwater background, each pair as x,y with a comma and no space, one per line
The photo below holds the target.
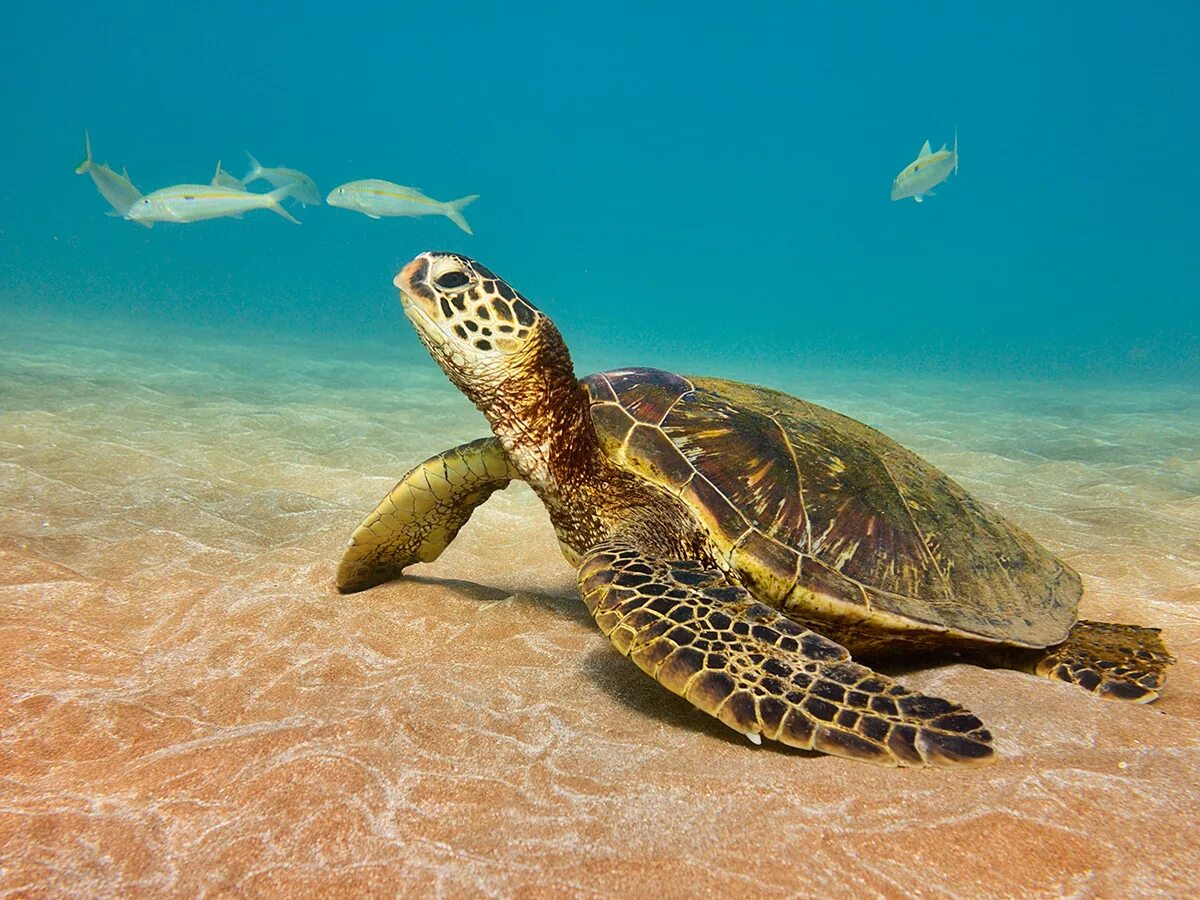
674,187
194,418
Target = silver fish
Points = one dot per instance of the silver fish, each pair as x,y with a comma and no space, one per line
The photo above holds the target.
118,190
302,187
194,202
928,170
375,198
223,179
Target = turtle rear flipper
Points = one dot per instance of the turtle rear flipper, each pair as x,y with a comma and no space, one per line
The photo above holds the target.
422,514
1116,662
761,673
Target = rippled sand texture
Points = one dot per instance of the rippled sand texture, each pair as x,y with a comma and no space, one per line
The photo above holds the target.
189,707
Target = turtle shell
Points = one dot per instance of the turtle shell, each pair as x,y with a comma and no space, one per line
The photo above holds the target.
817,511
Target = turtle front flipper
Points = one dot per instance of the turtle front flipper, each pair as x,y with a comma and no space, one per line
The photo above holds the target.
422,514
761,673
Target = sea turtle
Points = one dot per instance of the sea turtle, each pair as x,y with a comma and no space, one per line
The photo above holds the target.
739,544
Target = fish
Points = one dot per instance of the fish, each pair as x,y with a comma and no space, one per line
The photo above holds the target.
118,190
375,198
225,180
928,170
194,202
302,187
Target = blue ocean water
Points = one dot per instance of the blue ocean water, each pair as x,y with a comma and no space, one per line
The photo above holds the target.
194,419
679,186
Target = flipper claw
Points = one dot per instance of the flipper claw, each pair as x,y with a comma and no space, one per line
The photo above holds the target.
762,674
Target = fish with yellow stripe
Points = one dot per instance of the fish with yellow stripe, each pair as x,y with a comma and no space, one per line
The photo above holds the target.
195,202
924,173
376,198
114,187
301,186
225,180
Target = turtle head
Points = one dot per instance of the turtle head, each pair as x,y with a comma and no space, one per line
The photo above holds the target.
481,331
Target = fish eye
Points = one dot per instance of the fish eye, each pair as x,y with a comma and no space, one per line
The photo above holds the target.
453,280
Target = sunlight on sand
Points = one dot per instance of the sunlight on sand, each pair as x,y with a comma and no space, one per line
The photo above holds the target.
188,705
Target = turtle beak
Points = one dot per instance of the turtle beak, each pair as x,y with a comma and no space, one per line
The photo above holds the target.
411,279
414,289
419,301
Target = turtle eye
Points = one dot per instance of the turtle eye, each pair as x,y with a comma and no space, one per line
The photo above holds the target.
452,280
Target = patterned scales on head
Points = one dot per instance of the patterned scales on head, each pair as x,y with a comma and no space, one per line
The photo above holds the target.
832,521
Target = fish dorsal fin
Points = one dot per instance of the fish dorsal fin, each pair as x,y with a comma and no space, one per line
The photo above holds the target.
924,151
942,149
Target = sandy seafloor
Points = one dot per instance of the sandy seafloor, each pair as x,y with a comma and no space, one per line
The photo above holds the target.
189,707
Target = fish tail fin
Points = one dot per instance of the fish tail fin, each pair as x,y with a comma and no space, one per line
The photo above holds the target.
255,169
87,164
274,204
454,215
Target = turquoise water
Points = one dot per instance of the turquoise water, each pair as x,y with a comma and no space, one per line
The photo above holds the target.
194,419
708,188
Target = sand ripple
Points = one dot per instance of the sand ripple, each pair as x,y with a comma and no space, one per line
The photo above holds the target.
190,708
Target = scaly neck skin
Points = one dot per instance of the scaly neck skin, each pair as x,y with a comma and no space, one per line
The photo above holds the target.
541,414
539,411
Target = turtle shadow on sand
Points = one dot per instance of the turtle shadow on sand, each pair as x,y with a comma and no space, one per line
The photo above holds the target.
613,674
565,606
627,685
